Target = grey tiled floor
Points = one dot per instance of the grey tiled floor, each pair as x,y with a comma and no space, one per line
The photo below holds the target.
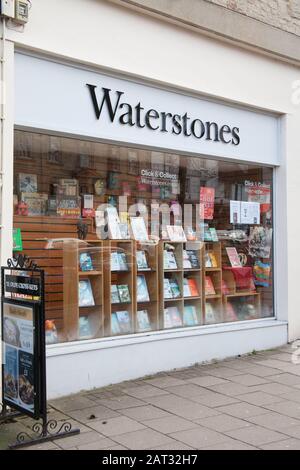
250,402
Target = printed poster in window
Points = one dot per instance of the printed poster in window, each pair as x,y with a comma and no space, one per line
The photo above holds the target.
260,242
207,198
18,338
259,192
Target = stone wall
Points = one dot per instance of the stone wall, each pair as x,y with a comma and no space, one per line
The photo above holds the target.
283,14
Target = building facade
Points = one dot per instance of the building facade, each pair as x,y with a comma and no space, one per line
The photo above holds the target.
171,134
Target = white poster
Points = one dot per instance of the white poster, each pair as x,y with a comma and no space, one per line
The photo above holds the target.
250,213
235,212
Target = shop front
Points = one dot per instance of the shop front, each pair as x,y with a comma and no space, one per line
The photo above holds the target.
152,213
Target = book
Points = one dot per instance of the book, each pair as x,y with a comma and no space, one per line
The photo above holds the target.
209,287
233,257
142,289
88,201
27,183
213,259
194,260
114,261
123,321
123,266
167,289
113,222
186,288
193,287
68,206
174,288
171,260
124,231
207,260
172,317
17,240
224,287
85,294
139,229
214,235
115,327
143,320
85,330
141,260
124,293
85,262
186,260
207,200
114,294
37,203
176,233
190,315
210,315
67,187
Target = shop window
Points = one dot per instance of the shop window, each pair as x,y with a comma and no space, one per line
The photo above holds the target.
133,240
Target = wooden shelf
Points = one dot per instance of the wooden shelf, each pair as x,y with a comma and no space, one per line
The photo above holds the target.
174,299
242,294
213,269
194,297
89,273
214,296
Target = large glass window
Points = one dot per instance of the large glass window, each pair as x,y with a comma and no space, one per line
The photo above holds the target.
133,240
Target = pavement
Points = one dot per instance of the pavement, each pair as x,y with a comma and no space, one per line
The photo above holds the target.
245,403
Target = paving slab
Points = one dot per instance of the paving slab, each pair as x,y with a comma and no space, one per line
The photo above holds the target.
289,444
222,423
170,424
199,437
114,426
242,410
274,421
256,435
143,439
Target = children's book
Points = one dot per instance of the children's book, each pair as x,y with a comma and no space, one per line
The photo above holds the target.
85,262
209,287
233,257
186,288
174,288
143,320
190,315
124,321
85,293
142,289
141,260
115,327
193,287
167,289
124,293
115,299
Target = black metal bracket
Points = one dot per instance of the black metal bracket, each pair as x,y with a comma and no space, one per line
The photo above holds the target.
44,432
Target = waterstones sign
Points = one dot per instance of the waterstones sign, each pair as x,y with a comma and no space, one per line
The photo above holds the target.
75,101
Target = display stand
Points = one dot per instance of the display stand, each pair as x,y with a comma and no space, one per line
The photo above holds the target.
151,278
118,277
181,274
24,388
72,275
213,302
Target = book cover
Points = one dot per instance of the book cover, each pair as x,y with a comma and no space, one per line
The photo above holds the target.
27,183
85,330
85,262
186,260
112,180
214,235
176,233
193,287
143,320
124,293
124,321
213,259
167,289
209,287
207,260
114,297
114,261
139,229
17,240
190,315
174,317
122,261
207,198
115,327
141,260
224,287
85,293
174,288
233,257
171,260
124,231
193,257
37,203
230,312
142,289
210,315
186,288
166,260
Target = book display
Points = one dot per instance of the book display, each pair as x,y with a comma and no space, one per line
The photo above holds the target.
181,280
147,286
167,245
83,309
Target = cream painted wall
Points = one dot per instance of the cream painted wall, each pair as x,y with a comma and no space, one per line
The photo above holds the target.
106,35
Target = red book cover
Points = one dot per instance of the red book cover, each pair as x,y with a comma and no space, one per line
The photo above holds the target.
233,257
209,287
207,199
193,287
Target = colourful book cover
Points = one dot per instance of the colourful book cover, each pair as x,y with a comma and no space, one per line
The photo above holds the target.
233,257
207,198
193,287
174,288
124,321
209,287
143,320
86,298
190,315
85,262
142,289
124,293
115,327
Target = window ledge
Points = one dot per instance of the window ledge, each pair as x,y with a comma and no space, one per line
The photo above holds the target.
119,341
